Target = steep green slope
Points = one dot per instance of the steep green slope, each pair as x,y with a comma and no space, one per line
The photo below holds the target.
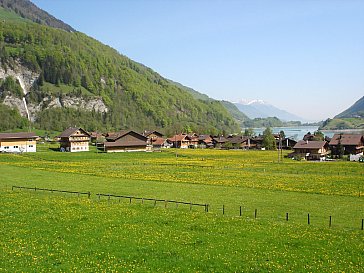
355,111
137,97
351,118
28,10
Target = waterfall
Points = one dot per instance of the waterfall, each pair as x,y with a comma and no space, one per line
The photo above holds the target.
25,92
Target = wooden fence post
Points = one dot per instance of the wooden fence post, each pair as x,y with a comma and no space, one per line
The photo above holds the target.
308,218
362,224
330,221
286,216
240,211
255,213
223,209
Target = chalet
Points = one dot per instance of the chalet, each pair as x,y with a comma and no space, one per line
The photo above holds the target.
239,142
18,142
205,141
74,140
347,144
287,143
125,141
219,141
180,141
311,150
152,135
193,140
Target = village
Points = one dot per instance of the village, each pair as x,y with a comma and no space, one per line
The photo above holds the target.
76,139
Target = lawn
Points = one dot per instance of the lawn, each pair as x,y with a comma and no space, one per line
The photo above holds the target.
62,232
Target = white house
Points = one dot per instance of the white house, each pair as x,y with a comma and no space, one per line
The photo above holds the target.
23,142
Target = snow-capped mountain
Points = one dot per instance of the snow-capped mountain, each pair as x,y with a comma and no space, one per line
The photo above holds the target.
261,109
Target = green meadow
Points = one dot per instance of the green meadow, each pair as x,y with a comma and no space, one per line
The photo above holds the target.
245,230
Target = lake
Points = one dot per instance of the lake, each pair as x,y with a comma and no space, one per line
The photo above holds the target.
297,133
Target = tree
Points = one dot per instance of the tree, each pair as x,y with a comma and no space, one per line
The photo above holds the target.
269,142
249,132
282,134
318,136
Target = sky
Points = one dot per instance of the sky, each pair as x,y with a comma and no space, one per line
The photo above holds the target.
302,56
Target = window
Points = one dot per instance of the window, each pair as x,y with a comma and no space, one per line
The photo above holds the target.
16,147
6,147
30,146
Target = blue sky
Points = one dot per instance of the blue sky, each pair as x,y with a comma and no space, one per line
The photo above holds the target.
306,57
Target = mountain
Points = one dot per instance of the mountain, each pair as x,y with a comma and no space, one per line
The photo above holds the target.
354,111
351,118
28,10
261,109
229,106
56,79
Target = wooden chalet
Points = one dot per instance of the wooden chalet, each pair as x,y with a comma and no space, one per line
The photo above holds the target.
180,141
347,144
311,150
240,142
287,143
74,140
205,141
219,141
22,142
193,140
125,141
152,135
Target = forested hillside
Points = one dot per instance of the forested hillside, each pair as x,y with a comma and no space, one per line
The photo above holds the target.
74,65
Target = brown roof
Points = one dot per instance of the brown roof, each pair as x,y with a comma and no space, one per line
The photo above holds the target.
179,137
158,141
121,143
148,133
347,139
17,135
113,137
302,144
70,131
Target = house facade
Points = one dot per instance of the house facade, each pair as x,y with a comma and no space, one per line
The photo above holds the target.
347,144
180,141
18,142
311,150
126,141
74,140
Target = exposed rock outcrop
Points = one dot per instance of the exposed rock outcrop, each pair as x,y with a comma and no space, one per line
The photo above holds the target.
30,110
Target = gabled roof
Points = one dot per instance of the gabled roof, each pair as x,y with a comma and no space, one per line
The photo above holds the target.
158,141
347,139
302,144
121,143
148,133
70,131
18,135
220,139
113,137
179,137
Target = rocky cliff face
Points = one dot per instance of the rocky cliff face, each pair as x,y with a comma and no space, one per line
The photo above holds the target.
26,108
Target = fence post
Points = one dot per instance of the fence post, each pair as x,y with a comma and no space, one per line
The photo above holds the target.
155,203
308,218
362,224
240,211
223,209
255,213
286,216
12,188
129,200
89,195
330,221
99,196
190,205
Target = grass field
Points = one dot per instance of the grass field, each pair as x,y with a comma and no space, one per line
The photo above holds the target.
47,232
